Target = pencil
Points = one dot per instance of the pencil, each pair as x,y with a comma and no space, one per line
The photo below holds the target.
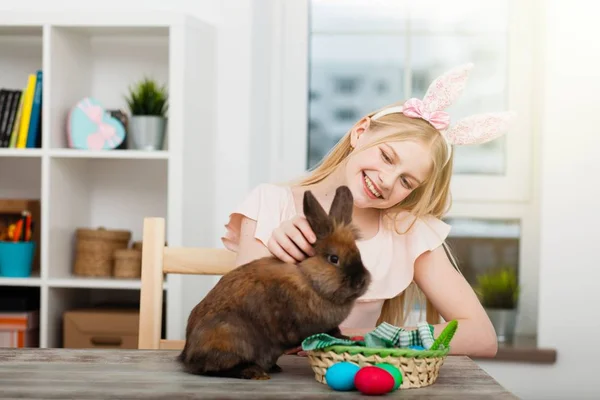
29,227
26,234
18,228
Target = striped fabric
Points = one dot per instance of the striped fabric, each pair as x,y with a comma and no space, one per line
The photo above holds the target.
383,336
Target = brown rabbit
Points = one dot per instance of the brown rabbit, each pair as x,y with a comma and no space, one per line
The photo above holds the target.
260,309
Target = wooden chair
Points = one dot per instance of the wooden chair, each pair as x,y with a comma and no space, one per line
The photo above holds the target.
159,259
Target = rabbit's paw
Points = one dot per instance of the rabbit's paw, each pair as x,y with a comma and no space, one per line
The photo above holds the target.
275,369
255,372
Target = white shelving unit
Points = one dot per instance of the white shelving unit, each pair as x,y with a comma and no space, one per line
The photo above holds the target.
100,55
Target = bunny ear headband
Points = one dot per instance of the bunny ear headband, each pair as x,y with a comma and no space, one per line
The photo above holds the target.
442,92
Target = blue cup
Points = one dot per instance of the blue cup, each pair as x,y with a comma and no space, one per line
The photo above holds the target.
16,259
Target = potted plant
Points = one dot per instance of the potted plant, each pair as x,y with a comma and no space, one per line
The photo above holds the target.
498,291
147,102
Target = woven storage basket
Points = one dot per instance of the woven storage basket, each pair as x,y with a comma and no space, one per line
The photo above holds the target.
95,248
419,368
128,263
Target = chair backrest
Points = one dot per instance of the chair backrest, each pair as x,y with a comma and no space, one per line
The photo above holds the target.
158,260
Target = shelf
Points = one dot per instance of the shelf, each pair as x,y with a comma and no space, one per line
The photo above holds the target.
96,283
20,178
33,280
109,61
24,44
106,21
78,153
100,55
71,298
21,153
93,193
119,154
20,32
22,54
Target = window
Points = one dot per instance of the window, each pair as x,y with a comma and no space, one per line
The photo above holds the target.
345,114
482,244
346,85
384,44
363,55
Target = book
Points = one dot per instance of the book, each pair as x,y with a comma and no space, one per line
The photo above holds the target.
12,117
7,116
26,113
4,100
21,114
36,111
17,124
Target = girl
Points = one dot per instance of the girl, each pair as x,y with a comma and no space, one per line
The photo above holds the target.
398,163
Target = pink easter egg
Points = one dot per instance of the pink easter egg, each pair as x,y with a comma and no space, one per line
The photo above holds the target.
372,380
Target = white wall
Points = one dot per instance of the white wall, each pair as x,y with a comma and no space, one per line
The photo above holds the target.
569,189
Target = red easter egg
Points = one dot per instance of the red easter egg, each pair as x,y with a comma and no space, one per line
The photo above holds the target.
372,380
357,338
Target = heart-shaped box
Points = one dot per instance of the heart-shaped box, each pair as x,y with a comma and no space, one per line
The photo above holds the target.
91,127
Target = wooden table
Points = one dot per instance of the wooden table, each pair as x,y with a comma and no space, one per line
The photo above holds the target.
142,374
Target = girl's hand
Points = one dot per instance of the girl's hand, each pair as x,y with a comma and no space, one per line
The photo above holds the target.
291,242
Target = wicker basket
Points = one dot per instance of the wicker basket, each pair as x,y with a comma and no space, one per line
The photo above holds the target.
128,263
419,368
95,248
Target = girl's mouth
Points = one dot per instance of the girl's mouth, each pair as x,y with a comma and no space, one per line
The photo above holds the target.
370,188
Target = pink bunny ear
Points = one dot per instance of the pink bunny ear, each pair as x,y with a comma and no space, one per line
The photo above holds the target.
480,128
446,88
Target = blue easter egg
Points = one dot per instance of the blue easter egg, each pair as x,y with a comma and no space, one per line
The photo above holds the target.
417,347
340,376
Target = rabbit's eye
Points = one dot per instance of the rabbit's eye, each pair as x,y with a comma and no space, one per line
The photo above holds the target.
333,259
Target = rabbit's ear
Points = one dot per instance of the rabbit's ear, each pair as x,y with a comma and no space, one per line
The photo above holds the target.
316,215
341,208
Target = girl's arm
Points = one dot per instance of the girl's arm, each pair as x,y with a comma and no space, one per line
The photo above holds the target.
452,296
250,248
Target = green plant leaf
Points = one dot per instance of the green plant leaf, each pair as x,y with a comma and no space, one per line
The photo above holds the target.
146,97
498,288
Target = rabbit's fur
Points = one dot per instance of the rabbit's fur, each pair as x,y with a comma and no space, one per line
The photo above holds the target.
262,308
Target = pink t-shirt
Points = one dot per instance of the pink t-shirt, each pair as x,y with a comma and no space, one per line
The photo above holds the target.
388,255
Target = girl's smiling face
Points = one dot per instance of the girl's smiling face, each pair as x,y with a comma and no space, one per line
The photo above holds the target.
384,174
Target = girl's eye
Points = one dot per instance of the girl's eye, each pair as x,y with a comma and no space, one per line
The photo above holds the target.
406,183
385,157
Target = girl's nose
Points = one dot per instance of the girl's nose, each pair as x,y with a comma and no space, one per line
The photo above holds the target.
386,181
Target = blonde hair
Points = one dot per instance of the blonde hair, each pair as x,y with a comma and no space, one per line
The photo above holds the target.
432,197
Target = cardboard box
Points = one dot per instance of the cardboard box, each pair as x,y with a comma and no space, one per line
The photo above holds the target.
101,328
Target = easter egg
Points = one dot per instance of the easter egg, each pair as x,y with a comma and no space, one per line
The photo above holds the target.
340,376
371,380
416,347
395,373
